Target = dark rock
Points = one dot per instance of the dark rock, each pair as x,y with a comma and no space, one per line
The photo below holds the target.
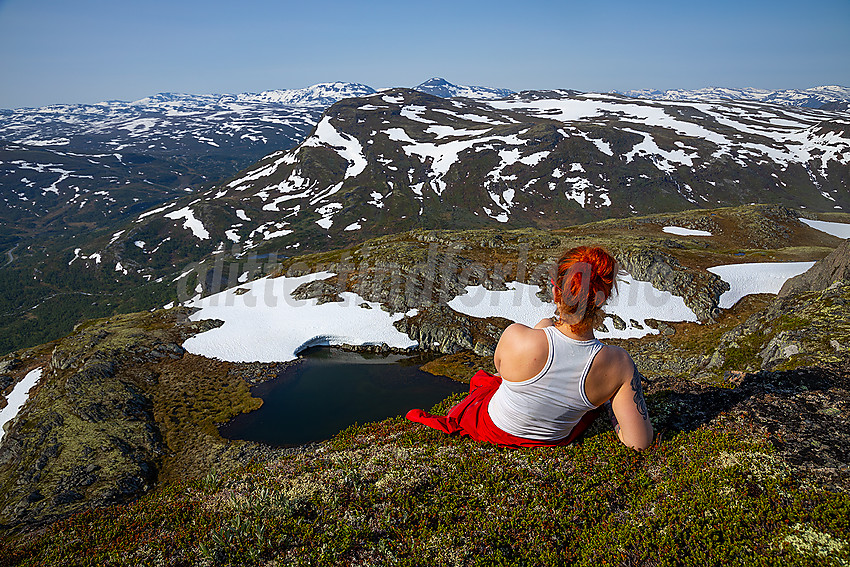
138,408
93,373
170,350
35,496
618,323
701,290
835,267
441,329
94,412
67,497
78,477
204,325
323,290
9,364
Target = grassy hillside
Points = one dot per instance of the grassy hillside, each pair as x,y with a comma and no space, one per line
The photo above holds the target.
749,467
397,493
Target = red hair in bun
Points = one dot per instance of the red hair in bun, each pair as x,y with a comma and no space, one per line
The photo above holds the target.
585,278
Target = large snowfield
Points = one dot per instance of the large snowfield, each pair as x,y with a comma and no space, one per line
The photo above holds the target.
636,301
263,323
746,279
266,324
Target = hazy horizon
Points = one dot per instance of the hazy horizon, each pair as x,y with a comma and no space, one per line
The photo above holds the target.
93,51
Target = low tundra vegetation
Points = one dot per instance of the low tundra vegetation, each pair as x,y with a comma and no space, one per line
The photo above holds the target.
397,493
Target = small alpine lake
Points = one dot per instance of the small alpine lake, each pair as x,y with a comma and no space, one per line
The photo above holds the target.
329,389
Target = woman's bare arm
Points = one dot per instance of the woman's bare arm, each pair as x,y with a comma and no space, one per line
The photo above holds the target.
631,413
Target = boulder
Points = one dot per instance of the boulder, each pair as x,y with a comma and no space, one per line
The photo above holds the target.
835,267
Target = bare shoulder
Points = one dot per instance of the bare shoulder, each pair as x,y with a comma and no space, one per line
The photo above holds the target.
517,335
521,352
611,369
615,358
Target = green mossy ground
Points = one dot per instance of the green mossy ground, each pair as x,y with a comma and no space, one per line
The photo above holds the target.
119,403
397,493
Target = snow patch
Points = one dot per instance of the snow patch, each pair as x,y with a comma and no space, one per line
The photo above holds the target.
764,277
636,301
839,229
191,222
348,147
682,231
265,324
17,398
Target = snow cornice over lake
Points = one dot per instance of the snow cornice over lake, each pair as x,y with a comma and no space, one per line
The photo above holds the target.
263,323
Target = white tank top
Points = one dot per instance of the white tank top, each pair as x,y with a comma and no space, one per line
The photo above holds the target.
547,406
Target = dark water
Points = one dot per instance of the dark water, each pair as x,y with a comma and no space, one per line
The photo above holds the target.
331,389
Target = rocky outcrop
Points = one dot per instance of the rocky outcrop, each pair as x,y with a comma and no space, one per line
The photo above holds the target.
118,405
834,268
441,329
806,329
701,290
323,290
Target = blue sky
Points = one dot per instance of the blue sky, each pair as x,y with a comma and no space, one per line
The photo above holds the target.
92,50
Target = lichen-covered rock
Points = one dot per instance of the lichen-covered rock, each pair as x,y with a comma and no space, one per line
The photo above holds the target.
118,405
805,329
834,268
323,290
441,329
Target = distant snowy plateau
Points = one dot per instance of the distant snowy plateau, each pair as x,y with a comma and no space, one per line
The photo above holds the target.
830,97
438,156
109,159
401,159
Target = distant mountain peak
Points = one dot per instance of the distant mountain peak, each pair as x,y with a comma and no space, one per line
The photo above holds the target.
440,87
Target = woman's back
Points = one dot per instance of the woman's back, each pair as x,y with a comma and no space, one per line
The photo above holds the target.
549,378
550,403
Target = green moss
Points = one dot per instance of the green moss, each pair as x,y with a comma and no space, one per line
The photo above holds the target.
397,493
743,354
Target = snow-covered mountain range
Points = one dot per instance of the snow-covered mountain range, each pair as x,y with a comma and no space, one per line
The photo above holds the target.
402,159
97,162
120,197
90,155
444,89
832,96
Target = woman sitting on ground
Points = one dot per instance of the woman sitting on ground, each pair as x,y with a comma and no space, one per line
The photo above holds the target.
553,379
